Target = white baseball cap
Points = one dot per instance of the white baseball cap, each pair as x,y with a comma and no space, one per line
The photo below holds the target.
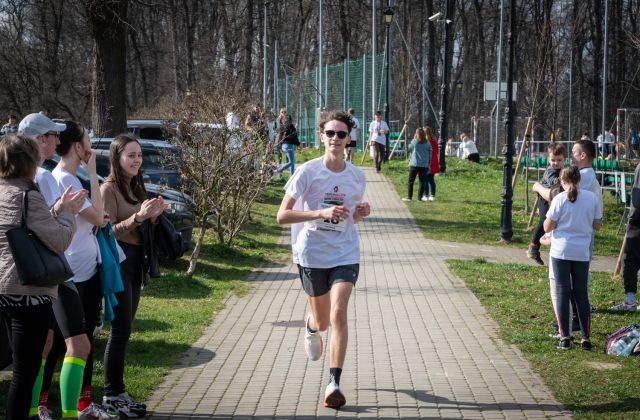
34,125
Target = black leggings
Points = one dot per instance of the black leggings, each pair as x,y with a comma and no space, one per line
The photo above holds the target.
631,265
422,174
430,185
89,294
125,312
28,328
572,280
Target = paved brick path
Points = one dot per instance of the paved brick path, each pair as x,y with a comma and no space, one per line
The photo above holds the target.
421,345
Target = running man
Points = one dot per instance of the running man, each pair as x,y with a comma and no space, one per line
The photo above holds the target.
322,202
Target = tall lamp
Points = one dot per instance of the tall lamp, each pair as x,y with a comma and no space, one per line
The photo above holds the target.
459,85
388,18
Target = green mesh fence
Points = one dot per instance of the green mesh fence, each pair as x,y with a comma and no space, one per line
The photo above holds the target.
346,85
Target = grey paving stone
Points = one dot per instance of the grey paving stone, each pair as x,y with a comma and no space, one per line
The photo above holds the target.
420,345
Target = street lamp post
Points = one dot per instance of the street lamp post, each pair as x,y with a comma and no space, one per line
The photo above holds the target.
506,228
444,90
388,18
458,119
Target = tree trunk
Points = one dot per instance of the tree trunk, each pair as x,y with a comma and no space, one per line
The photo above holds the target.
107,20
193,260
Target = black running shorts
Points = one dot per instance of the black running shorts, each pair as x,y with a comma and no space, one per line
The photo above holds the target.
318,281
69,311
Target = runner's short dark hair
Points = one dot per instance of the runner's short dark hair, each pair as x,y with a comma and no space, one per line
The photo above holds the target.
335,115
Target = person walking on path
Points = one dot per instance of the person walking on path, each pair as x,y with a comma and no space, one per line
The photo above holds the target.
571,219
550,179
125,201
631,253
378,130
419,164
434,168
352,146
322,202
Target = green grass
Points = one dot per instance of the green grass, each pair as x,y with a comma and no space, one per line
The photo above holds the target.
174,310
468,205
517,298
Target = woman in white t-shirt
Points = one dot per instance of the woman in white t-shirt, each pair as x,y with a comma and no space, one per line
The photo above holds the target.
323,201
571,219
77,307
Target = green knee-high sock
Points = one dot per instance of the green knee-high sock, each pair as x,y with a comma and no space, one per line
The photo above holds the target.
35,392
70,384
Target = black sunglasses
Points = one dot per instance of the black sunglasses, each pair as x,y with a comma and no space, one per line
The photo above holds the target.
331,133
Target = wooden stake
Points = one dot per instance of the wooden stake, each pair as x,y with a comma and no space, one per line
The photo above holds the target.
525,144
616,271
533,213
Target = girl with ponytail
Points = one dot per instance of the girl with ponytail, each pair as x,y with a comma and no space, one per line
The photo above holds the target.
571,219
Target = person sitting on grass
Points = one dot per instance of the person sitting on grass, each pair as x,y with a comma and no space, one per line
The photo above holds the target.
551,180
572,217
469,149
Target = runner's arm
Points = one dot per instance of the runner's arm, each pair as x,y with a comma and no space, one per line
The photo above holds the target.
286,214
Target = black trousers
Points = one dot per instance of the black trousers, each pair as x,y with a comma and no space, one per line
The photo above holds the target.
422,176
125,312
631,260
28,327
378,155
538,231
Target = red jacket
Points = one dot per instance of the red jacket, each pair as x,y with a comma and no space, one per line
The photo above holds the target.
435,164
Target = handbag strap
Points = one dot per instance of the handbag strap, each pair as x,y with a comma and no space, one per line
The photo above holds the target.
25,205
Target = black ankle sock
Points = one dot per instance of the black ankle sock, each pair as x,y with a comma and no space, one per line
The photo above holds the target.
334,375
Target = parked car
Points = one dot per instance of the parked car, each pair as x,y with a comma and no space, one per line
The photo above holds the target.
151,129
178,203
155,166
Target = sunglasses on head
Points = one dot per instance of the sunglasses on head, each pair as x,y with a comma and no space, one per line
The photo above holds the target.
331,133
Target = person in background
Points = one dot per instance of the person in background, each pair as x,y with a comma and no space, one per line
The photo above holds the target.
631,253
351,148
290,142
125,200
469,150
77,307
634,141
26,310
378,130
450,148
47,134
550,179
419,164
10,127
434,167
572,217
323,202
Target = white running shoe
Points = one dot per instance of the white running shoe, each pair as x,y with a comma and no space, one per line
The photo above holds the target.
432,198
406,199
96,412
125,405
333,397
424,198
312,342
44,413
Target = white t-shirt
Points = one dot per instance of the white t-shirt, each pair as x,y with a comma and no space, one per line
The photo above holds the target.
48,186
589,182
378,129
325,243
354,130
571,238
468,148
82,254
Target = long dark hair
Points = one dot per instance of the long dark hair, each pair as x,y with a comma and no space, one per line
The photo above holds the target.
571,176
135,185
420,136
74,133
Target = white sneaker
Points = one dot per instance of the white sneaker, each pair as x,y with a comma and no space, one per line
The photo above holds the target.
44,413
125,405
424,198
96,412
406,199
432,198
312,342
333,397
624,307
